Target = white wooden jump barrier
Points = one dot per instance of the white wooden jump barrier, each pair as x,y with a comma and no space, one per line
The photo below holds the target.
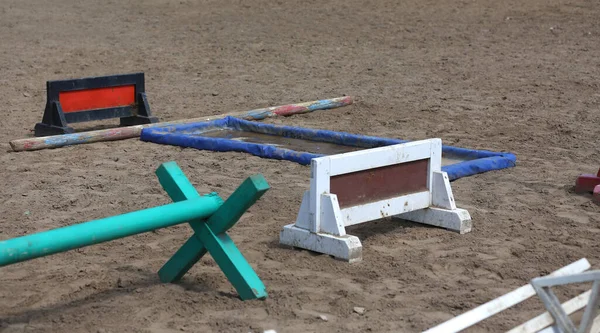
403,181
544,323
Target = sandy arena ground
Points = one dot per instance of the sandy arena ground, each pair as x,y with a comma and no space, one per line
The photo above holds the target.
518,76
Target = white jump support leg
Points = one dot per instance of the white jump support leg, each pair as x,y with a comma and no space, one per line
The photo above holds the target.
403,180
335,242
442,212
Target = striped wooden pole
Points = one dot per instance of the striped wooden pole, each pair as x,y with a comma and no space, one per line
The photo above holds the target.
56,141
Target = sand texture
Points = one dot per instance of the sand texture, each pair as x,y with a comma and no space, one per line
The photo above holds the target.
517,76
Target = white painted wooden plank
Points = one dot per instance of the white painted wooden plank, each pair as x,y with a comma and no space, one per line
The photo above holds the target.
560,280
381,157
545,319
319,184
331,216
435,163
441,191
501,303
384,208
303,218
346,247
596,325
551,329
458,220
554,329
587,320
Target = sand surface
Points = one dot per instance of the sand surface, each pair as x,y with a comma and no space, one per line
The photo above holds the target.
518,76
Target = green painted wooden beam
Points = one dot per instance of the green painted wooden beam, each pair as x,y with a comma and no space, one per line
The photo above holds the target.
209,235
238,203
175,183
180,263
233,264
97,231
179,188
208,216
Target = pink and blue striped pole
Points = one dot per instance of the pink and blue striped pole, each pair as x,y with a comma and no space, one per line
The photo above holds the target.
56,141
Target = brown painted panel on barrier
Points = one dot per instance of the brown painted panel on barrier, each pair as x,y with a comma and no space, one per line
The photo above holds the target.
372,185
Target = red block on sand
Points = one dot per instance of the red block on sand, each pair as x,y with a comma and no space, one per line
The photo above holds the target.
587,182
596,196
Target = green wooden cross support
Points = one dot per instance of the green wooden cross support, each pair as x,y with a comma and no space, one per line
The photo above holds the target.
210,234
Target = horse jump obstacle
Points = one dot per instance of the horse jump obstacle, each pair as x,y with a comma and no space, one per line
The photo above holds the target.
95,98
555,320
208,216
403,180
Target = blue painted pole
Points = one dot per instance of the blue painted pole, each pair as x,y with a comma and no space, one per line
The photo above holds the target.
97,231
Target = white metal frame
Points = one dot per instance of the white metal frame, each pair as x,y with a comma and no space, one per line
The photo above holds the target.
320,225
543,323
561,318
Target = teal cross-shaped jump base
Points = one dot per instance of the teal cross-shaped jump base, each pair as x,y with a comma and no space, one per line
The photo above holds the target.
210,234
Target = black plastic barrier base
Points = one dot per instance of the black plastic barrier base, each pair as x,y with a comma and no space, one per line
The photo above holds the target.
94,98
